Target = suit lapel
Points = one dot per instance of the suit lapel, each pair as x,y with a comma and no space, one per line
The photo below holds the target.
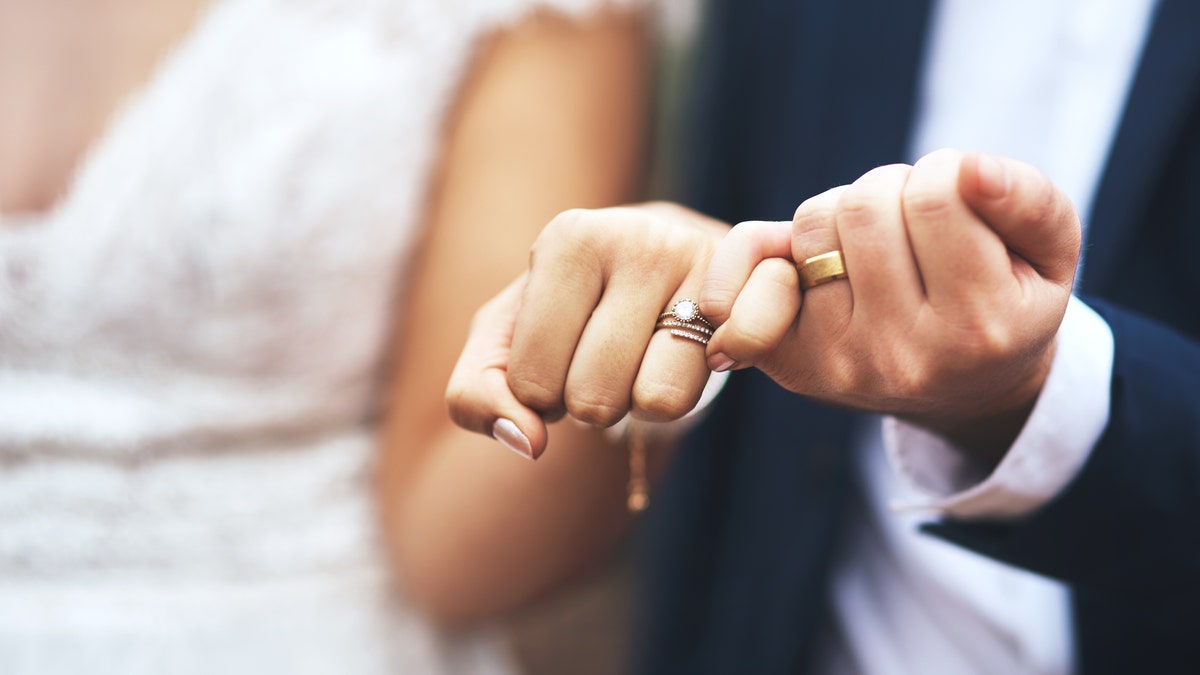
863,61
840,98
796,97
1162,95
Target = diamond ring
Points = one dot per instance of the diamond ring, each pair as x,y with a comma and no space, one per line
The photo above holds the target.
684,320
686,311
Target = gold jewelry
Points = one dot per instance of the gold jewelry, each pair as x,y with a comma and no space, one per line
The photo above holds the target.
822,269
687,311
685,320
638,488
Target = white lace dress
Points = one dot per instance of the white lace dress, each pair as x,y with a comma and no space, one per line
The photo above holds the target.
190,352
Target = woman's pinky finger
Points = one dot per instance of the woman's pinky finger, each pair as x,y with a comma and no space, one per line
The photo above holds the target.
478,396
764,311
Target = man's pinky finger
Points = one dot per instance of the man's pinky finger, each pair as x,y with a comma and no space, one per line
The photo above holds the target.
739,253
764,312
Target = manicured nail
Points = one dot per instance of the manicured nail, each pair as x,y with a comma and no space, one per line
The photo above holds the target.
720,363
993,177
511,437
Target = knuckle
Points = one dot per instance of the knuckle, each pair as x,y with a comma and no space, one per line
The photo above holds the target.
567,221
989,340
467,404
746,342
582,229
1047,206
484,316
561,229
779,271
876,191
838,374
645,241
815,222
980,340
857,204
939,157
888,174
535,393
814,214
911,381
684,240
660,401
458,400
668,238
600,411
781,280
813,233
802,210
641,239
824,204
717,303
565,225
669,251
927,201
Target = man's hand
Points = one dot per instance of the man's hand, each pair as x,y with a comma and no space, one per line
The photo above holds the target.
576,334
959,270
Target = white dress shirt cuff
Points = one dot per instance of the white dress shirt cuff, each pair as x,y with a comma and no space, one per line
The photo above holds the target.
1067,421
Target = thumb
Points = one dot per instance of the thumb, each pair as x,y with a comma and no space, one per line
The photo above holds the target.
477,396
1033,218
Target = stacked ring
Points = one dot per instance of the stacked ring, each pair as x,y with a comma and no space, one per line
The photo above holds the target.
684,320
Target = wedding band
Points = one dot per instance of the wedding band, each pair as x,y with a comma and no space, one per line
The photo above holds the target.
821,269
684,320
672,323
702,339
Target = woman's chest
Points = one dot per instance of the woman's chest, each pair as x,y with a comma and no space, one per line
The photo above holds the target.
252,206
64,68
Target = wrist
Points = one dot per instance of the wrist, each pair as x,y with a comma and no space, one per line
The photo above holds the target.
985,428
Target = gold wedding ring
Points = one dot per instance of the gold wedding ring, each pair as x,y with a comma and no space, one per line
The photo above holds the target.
821,269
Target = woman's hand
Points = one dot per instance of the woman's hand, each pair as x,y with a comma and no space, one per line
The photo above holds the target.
550,116
576,334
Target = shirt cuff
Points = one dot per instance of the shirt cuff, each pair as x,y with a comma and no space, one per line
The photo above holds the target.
1067,421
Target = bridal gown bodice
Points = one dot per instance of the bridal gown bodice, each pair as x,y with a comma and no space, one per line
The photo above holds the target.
192,343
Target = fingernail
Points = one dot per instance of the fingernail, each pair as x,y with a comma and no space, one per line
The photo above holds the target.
511,437
720,363
993,177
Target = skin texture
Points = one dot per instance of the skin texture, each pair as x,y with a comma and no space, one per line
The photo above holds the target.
575,335
65,68
960,269
550,116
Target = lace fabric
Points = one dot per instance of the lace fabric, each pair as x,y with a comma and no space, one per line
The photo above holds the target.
191,345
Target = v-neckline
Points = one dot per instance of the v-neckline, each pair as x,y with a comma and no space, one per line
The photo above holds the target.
136,98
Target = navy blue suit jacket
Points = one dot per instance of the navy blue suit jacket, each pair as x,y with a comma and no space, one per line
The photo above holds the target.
792,97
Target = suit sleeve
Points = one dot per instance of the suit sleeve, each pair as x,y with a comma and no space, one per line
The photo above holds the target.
1129,522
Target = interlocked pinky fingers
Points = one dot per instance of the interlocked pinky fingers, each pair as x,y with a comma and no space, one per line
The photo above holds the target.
742,249
764,312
